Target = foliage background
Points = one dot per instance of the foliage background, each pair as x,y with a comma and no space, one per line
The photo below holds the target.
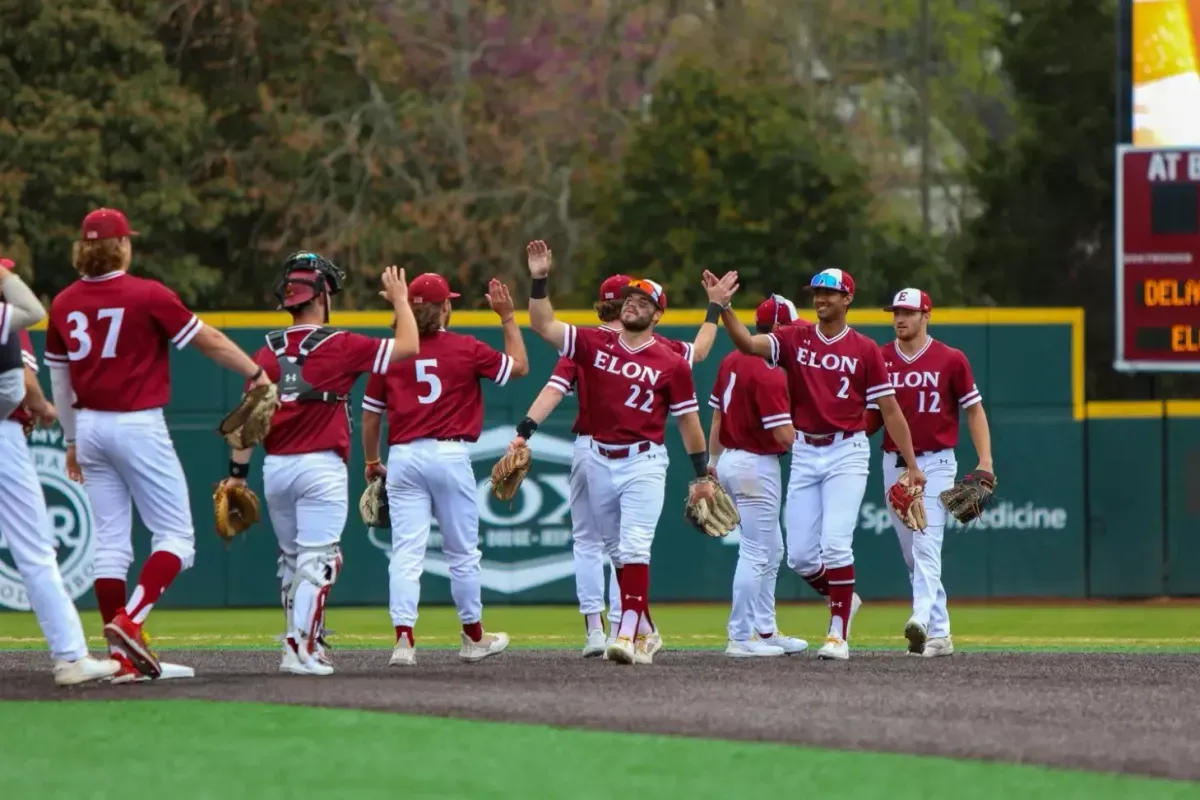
656,137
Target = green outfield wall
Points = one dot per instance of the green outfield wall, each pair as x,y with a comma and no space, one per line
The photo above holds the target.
1095,500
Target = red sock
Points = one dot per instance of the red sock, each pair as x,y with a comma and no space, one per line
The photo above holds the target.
841,595
474,630
158,572
404,631
635,588
820,581
110,597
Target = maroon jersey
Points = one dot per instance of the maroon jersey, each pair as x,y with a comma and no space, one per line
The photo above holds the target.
314,417
113,333
436,394
930,387
629,392
565,377
29,358
831,380
752,397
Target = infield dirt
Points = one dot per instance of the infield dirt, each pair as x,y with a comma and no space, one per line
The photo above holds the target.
1104,712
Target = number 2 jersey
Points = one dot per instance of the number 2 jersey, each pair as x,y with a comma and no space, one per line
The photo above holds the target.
113,333
436,394
628,392
930,387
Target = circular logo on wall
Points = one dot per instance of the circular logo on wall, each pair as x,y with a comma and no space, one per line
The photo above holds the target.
70,524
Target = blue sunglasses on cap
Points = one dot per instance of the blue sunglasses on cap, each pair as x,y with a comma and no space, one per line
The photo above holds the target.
823,280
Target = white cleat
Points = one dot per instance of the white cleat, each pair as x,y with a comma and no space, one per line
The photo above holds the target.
835,649
296,661
84,670
403,654
916,633
491,644
596,643
938,646
621,651
790,645
646,646
752,648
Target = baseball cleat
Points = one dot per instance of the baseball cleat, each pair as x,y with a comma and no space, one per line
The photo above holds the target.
620,651
645,646
835,649
752,648
298,661
596,642
83,670
916,634
128,637
939,646
789,644
129,674
490,645
403,654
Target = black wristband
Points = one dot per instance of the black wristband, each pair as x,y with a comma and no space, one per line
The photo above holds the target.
256,375
714,313
538,290
699,463
526,427
237,470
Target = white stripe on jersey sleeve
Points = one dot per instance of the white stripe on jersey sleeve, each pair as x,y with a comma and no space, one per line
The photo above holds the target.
882,390
776,421
688,352
30,360
559,384
187,333
872,406
373,405
713,402
383,358
568,348
506,365
774,347
971,398
686,407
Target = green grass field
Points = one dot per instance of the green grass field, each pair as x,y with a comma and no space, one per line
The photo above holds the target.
1076,627
205,749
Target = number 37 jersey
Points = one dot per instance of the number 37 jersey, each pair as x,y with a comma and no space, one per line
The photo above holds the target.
436,394
628,392
114,334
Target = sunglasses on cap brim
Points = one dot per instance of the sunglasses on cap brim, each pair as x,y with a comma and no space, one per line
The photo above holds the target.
825,281
642,288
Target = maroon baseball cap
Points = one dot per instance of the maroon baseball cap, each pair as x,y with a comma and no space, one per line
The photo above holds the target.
613,287
912,300
7,263
105,223
430,288
837,280
776,310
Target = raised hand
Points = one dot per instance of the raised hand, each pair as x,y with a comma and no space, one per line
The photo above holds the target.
540,257
721,290
395,286
500,299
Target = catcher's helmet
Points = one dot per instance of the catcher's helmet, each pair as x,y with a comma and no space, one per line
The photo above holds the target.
306,275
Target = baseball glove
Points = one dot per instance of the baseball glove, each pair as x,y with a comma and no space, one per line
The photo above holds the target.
967,499
236,509
908,501
716,517
509,471
250,422
373,505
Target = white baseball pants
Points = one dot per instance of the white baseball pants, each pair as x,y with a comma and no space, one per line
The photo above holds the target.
626,497
25,526
427,480
825,492
753,481
307,500
129,455
922,550
588,544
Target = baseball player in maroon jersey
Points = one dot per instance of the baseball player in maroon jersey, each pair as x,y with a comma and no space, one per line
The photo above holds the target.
833,373
933,381
434,408
107,346
304,472
751,430
630,383
587,543
24,521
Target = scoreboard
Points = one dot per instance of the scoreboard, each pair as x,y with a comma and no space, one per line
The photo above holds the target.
1157,259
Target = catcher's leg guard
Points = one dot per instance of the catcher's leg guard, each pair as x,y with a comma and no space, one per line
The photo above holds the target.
315,572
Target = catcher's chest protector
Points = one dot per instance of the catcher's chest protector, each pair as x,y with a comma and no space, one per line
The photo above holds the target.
293,388
10,353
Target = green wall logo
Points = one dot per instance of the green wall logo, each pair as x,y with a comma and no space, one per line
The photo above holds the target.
1006,515
526,543
71,524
